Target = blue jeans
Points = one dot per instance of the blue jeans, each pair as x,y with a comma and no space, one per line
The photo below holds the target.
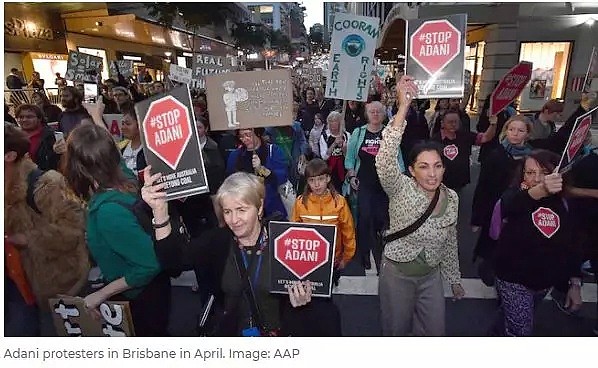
20,319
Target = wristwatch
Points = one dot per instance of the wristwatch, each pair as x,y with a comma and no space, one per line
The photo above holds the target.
161,225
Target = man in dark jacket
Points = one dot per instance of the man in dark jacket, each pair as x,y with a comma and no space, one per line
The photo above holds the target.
74,113
43,149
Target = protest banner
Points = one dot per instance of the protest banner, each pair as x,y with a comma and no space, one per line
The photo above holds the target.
576,141
124,67
205,64
242,100
301,252
510,87
353,44
436,55
171,144
114,122
83,67
70,318
590,82
180,74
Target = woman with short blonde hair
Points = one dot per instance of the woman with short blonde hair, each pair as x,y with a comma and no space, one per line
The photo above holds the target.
333,148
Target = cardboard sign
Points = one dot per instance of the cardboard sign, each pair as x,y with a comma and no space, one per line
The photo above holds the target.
83,67
353,44
205,64
242,100
124,67
171,144
546,221
575,141
114,123
180,74
436,56
592,73
71,318
510,87
301,252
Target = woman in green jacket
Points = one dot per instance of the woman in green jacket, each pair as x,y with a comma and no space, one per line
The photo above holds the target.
119,245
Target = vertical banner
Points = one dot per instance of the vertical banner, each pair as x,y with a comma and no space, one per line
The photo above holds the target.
510,87
83,67
250,99
72,320
436,55
171,144
180,74
576,141
353,44
301,252
114,122
592,73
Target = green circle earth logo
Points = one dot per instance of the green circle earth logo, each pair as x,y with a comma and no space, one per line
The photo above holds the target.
353,45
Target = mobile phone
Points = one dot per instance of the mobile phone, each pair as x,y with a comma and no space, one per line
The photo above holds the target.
58,136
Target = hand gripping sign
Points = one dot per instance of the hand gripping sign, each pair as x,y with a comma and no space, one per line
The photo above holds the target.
510,87
302,252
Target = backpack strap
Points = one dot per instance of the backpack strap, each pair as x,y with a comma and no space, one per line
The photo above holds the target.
32,179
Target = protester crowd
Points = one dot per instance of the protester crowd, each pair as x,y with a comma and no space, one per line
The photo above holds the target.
384,174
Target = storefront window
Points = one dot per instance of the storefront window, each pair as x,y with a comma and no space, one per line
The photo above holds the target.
550,62
100,53
47,65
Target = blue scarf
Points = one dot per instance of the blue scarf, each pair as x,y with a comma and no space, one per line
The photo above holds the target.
516,151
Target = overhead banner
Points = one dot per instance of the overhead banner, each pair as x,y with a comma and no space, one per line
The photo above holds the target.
301,252
254,99
171,144
591,80
180,74
83,67
71,319
510,87
576,141
124,67
114,122
436,55
353,44
205,64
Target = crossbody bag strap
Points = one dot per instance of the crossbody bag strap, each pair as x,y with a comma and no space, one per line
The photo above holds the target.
418,223
248,286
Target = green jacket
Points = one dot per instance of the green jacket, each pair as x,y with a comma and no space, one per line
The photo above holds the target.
118,243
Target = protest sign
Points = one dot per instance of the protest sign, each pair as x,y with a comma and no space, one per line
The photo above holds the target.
70,318
242,100
205,64
576,141
510,87
124,67
171,144
301,252
83,67
180,74
591,80
353,44
114,122
436,56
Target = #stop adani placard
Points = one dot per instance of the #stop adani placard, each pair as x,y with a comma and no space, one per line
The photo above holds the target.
436,55
171,144
576,141
301,252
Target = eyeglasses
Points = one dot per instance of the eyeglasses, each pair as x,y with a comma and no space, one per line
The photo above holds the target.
535,173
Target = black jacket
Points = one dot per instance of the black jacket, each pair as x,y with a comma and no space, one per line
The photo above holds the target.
46,158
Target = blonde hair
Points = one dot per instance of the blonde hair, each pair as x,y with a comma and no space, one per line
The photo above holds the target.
374,105
519,117
247,187
335,115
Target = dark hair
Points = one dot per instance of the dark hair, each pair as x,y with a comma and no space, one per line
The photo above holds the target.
75,93
424,146
129,109
92,162
30,107
15,140
316,167
258,131
437,107
310,89
203,121
110,80
547,160
14,70
42,96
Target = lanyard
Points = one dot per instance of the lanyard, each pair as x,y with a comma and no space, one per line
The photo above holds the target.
259,253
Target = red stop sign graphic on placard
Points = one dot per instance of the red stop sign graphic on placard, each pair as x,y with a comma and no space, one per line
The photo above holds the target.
510,86
167,129
578,137
434,44
546,221
451,151
301,250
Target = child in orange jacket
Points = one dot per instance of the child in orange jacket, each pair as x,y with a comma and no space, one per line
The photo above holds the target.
321,204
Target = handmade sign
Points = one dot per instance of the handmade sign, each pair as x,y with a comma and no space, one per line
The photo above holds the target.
436,56
253,99
124,67
114,123
353,44
83,67
301,252
510,87
71,318
180,74
205,64
576,141
171,143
